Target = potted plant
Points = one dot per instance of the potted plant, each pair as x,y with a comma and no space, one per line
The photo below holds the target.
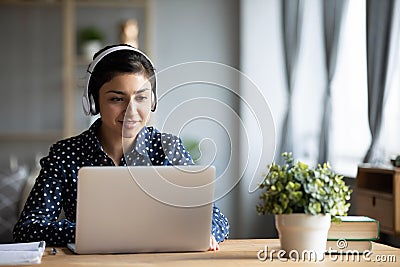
91,41
304,200
396,161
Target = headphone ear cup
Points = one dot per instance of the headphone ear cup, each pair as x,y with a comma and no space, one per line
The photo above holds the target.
92,106
86,105
153,101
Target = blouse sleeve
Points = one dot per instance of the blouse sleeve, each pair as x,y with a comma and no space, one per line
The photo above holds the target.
38,220
220,225
175,152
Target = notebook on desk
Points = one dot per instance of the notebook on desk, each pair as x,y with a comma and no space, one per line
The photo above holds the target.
143,209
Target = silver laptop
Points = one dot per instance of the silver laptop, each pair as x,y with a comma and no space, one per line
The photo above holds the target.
144,209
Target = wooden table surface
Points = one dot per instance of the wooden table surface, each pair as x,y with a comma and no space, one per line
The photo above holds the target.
233,252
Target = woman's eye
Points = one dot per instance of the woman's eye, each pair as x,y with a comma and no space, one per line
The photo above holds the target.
117,99
140,98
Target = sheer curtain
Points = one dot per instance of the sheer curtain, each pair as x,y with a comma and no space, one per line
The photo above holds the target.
333,14
349,136
382,43
292,18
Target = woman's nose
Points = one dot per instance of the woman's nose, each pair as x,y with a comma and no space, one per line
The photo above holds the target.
131,108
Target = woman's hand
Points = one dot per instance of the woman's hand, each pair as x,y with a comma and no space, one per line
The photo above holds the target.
213,244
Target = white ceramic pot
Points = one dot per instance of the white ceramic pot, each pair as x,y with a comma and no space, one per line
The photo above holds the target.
89,48
303,236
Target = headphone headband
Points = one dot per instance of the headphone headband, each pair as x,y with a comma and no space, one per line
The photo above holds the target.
87,101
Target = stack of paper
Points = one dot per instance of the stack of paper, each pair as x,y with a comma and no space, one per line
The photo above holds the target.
21,253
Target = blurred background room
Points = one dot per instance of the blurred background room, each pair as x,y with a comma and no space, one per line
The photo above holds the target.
327,72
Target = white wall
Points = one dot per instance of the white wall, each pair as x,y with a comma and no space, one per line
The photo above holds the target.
187,31
262,60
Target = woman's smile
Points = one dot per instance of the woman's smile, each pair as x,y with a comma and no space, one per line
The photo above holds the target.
130,124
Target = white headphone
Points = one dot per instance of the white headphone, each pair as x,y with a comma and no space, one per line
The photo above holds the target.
88,103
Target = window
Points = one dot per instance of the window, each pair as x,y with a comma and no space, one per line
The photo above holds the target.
350,137
350,129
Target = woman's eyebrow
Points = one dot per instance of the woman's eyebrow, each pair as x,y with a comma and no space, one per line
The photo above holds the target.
112,91
115,92
141,90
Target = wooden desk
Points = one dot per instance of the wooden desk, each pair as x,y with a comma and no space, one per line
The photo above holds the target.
233,253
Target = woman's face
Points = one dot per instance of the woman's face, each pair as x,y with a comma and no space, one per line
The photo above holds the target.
125,105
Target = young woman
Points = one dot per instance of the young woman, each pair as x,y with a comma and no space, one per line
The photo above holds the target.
121,87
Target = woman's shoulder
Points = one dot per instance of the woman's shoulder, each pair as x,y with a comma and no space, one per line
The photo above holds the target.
83,139
73,139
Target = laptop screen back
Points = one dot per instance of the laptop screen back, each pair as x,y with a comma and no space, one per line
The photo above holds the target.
144,209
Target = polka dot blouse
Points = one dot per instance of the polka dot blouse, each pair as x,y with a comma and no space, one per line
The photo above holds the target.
56,186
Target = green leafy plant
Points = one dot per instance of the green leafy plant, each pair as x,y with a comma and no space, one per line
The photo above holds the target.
192,146
396,161
90,34
295,187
